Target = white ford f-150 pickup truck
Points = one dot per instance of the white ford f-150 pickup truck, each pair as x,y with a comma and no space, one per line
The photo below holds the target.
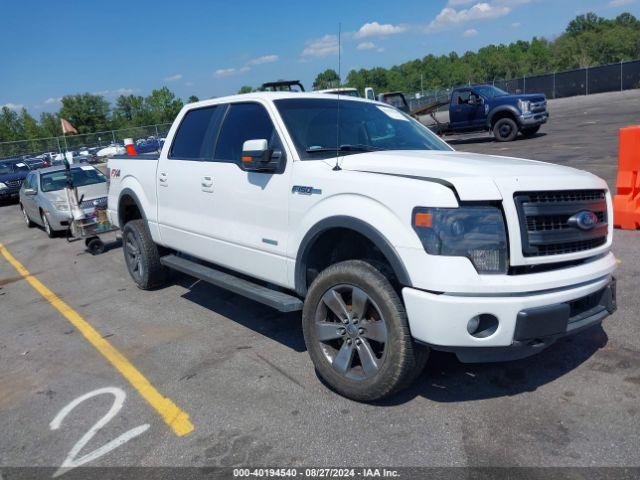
389,241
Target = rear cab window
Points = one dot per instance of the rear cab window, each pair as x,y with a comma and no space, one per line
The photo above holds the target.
196,135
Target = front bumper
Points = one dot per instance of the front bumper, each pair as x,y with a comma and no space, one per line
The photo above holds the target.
526,323
533,119
9,193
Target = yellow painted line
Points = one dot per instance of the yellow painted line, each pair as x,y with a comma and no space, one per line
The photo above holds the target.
173,416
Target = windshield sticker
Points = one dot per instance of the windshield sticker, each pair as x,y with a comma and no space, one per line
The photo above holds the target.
20,165
393,113
87,168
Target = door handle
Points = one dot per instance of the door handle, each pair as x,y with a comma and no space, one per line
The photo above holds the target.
206,184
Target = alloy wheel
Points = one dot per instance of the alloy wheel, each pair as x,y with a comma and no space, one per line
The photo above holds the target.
133,256
351,331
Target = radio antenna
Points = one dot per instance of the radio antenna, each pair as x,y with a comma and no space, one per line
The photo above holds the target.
336,167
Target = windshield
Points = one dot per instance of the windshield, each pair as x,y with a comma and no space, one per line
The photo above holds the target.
12,167
490,91
82,176
364,126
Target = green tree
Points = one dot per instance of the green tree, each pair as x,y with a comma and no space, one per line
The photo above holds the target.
193,99
163,105
131,110
86,112
327,79
50,125
245,89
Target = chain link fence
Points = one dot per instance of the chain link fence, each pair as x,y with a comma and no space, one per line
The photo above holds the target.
583,81
38,146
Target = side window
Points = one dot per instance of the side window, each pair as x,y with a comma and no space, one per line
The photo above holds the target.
463,97
244,121
196,135
30,182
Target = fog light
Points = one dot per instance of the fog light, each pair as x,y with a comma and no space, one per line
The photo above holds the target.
483,325
473,325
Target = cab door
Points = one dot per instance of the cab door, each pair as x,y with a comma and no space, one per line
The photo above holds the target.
249,211
461,110
184,185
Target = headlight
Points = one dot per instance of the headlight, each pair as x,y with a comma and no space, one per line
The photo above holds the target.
475,232
2,186
61,205
524,106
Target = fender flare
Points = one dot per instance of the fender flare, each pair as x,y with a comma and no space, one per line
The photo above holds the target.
502,108
350,223
130,193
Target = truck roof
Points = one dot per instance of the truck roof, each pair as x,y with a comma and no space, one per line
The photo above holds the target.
271,96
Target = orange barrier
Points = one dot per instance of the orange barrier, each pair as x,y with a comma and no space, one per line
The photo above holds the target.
131,148
626,203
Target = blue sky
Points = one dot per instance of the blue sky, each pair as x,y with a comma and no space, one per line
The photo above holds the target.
211,48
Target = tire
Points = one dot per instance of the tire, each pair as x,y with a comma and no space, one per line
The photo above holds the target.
95,246
531,131
364,359
505,129
27,220
141,256
47,226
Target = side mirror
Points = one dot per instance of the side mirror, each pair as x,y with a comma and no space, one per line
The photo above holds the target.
30,191
258,157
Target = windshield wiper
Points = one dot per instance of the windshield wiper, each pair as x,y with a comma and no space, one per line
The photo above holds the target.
344,148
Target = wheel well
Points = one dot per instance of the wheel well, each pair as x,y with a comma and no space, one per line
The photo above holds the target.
340,244
128,210
502,114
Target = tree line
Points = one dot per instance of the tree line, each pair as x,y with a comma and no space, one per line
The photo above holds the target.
589,40
90,113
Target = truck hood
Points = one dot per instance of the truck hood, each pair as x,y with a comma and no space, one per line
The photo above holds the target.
97,190
9,177
473,176
533,97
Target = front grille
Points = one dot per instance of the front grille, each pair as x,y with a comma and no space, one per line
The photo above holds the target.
13,183
538,106
544,221
94,203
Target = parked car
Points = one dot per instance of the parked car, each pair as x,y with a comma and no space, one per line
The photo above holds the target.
487,108
43,199
36,163
12,174
391,243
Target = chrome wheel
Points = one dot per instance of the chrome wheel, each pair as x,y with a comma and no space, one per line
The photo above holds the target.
25,216
351,331
45,224
133,256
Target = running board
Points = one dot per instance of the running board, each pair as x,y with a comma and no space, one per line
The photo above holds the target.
274,298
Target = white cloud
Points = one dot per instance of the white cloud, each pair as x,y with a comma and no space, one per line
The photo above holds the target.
516,25
450,17
52,100
189,84
224,72
13,106
244,69
321,47
472,32
263,59
620,3
174,78
366,46
374,29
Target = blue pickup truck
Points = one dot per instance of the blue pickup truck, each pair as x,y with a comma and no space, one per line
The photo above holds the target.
487,108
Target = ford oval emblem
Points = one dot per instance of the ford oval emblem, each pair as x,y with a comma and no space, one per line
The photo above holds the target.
584,220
